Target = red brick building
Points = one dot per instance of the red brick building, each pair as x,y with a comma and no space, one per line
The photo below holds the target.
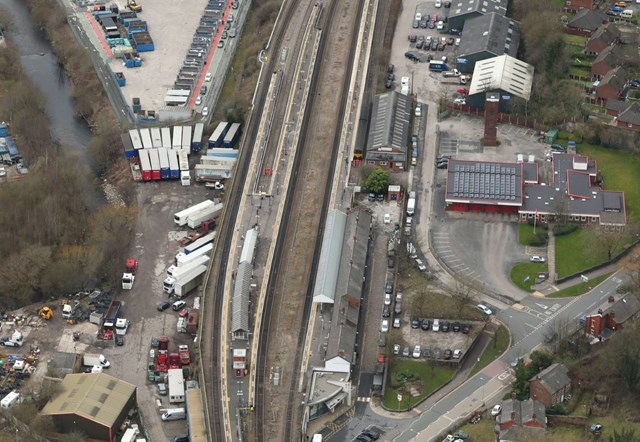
551,385
585,22
609,316
607,60
606,35
576,5
612,86
630,117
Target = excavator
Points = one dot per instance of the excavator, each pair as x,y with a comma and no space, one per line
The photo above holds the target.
45,312
133,6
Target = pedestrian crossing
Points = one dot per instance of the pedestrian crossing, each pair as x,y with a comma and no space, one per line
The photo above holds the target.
364,399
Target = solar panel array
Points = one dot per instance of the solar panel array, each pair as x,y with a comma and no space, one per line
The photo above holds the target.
488,181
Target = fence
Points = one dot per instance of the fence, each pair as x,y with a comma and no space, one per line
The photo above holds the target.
508,118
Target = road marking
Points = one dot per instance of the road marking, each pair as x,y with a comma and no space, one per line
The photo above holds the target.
364,399
542,306
530,325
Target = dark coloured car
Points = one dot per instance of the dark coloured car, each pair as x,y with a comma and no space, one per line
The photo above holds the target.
443,165
371,434
388,287
380,197
388,83
447,5
451,41
412,38
390,69
446,325
466,328
426,324
558,148
119,340
455,326
447,354
163,306
386,311
434,45
424,22
416,24
391,262
391,76
432,25
420,44
415,323
440,46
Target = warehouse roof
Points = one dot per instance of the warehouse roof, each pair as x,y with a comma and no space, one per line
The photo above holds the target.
492,33
324,290
503,73
389,128
484,182
96,396
462,7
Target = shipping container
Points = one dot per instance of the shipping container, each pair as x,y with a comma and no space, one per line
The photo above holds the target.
166,137
173,100
231,138
216,138
129,151
165,172
174,166
196,143
135,139
177,137
183,159
145,134
156,138
145,165
186,139
154,157
180,218
143,42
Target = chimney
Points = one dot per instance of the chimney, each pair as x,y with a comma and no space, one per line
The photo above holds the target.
491,110
533,417
513,416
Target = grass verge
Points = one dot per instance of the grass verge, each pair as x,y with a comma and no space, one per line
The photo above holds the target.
527,237
496,347
406,374
580,250
579,289
524,274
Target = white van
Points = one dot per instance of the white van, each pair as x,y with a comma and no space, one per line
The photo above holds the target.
627,13
10,400
173,414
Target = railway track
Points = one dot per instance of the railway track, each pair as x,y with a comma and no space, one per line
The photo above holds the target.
316,178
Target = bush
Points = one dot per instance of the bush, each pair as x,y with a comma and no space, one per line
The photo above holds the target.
558,409
564,229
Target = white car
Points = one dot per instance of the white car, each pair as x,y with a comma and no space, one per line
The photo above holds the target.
198,100
178,305
387,218
387,299
440,25
3,171
417,352
484,309
207,77
438,4
396,349
496,410
436,325
396,323
385,326
460,101
418,110
536,258
205,111
457,354
418,16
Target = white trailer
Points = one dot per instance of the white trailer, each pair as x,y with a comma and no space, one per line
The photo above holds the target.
145,134
184,160
177,138
178,271
156,138
135,139
186,138
185,283
166,137
194,220
201,242
176,385
184,259
180,218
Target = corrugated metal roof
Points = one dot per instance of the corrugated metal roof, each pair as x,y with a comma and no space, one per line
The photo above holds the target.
390,118
95,396
324,290
240,301
249,246
503,73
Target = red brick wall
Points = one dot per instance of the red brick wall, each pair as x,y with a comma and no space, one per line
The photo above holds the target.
604,93
539,393
626,125
596,46
600,68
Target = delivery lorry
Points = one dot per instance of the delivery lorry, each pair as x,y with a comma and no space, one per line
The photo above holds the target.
181,286
182,217
194,220
183,259
176,271
16,340
91,359
200,242
411,204
112,314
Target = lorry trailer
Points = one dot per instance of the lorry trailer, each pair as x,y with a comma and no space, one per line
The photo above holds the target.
180,287
200,242
183,259
181,217
194,220
91,359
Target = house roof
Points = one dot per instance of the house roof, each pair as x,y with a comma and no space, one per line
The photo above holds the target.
617,105
522,413
504,73
631,114
607,33
98,397
611,55
616,78
623,307
587,19
553,378
493,33
463,7
389,127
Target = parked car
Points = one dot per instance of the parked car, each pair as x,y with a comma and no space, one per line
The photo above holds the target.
438,3
119,340
415,323
387,299
484,309
388,288
388,83
416,24
391,262
447,354
436,325
426,324
205,111
396,323
406,352
455,326
466,328
536,258
445,326
496,410
396,349
417,352
387,218
457,354
384,326
178,305
163,306
418,110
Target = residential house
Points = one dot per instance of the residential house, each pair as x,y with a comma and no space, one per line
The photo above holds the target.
612,86
577,5
630,117
585,22
610,316
551,385
616,107
605,35
521,417
610,58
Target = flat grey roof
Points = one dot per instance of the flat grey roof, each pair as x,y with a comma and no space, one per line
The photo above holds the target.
493,33
484,182
462,7
389,127
324,289
530,172
240,300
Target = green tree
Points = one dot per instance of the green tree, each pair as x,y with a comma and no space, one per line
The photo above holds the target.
625,353
539,361
378,180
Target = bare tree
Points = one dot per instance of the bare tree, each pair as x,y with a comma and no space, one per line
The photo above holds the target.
609,239
463,294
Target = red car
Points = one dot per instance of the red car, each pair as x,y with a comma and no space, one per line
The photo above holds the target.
463,91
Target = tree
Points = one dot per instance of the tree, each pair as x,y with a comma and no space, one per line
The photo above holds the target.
609,240
378,180
625,435
463,294
631,265
539,361
625,353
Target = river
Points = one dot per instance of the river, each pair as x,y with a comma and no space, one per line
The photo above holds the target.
43,68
